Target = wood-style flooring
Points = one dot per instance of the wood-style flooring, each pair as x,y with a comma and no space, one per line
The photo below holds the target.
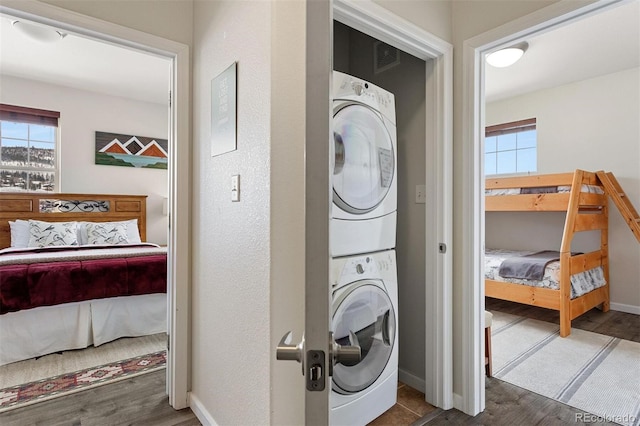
613,323
507,404
141,400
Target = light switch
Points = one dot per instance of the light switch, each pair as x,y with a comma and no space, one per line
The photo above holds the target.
421,194
235,188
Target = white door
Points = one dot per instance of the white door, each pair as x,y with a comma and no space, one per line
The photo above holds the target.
314,351
317,351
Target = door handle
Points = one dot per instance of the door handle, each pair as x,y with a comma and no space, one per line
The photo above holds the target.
315,359
347,355
285,351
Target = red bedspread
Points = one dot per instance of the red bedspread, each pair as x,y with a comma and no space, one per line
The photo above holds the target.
30,285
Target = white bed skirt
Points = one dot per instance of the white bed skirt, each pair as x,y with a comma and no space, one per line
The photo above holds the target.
41,331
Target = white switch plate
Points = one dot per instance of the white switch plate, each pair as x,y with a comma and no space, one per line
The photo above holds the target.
421,194
235,188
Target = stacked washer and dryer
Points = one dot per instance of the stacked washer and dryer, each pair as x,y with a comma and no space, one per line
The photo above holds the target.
362,230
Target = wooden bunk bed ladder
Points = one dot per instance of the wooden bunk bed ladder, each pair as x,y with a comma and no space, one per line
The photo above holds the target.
621,200
585,212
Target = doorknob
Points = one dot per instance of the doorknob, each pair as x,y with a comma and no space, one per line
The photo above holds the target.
339,353
315,359
285,351
347,355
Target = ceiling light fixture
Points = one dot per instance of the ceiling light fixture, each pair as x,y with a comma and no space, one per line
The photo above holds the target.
38,32
508,56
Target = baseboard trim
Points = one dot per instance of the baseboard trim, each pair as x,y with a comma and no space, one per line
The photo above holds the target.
458,402
201,413
411,380
621,307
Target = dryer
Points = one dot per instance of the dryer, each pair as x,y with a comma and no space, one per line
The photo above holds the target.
364,313
363,167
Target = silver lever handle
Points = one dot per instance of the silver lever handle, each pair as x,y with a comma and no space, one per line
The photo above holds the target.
288,352
347,355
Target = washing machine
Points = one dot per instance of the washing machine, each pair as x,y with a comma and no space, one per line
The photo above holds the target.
364,313
363,166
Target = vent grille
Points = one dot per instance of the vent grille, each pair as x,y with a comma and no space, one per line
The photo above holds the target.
384,57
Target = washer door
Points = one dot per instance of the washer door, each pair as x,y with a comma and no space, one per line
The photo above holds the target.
363,316
363,159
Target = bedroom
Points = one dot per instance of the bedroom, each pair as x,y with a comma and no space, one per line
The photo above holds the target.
587,123
51,77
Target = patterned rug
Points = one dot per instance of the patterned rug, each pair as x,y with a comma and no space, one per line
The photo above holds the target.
65,384
588,371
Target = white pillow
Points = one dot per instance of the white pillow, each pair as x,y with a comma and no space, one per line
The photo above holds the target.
133,234
19,233
107,233
45,234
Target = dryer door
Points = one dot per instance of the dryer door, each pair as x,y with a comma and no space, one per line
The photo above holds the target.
363,159
363,310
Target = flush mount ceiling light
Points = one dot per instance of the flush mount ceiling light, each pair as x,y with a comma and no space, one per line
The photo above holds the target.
508,56
38,32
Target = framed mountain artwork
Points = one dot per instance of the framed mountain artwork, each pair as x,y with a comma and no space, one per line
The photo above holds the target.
113,149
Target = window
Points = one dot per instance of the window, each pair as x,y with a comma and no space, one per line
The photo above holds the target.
511,148
28,145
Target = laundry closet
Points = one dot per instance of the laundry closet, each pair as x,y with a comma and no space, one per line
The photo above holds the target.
403,75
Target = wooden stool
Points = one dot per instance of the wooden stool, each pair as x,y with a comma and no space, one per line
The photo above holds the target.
488,318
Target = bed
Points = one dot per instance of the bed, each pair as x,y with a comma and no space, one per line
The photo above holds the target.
75,271
575,282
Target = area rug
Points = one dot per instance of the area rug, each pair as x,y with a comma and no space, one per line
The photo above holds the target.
588,371
65,384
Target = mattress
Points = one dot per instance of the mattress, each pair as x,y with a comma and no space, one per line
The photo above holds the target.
592,189
581,283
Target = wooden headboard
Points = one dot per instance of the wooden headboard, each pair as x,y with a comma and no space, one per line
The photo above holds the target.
53,207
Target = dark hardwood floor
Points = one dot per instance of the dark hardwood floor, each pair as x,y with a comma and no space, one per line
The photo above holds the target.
507,404
613,323
141,400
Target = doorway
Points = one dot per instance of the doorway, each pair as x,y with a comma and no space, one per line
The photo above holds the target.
179,148
519,30
432,368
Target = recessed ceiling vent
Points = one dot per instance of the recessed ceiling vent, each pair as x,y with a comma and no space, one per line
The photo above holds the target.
384,57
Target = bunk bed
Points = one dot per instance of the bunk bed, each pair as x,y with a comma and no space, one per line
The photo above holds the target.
86,290
582,196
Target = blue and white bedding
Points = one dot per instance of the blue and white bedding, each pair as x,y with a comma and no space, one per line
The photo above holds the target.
581,283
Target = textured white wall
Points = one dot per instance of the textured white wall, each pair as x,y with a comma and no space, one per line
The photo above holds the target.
231,282
590,125
82,113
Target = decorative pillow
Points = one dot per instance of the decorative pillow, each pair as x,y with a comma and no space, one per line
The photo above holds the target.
19,233
133,234
45,234
107,233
